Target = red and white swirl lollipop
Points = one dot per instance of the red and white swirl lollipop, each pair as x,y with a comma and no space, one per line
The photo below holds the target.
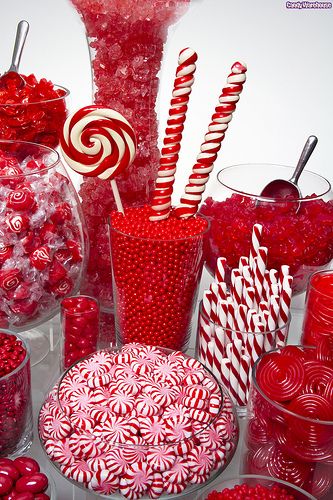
99,142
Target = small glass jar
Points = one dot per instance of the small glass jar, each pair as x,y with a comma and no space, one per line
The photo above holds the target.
252,480
155,283
318,317
16,406
297,232
286,445
231,354
80,328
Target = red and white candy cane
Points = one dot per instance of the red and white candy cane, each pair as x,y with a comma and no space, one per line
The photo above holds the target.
98,142
255,243
161,203
190,201
221,265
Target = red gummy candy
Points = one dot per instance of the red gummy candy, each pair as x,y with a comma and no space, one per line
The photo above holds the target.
41,258
21,200
10,279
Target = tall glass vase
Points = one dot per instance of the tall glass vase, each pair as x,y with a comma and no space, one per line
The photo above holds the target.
126,42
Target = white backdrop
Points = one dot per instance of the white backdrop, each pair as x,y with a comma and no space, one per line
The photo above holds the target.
287,96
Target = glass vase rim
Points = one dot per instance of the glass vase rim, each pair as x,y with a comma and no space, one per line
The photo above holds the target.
311,285
53,99
79,313
277,405
26,358
186,238
47,150
222,390
224,479
273,200
287,324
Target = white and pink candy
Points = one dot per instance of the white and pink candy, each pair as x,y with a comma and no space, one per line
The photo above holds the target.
159,425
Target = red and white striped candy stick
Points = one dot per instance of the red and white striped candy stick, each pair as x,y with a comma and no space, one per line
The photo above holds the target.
190,201
260,262
99,142
284,271
284,308
266,284
243,261
161,203
223,311
242,318
225,372
214,300
247,275
218,352
222,291
255,243
221,265
249,296
274,308
237,290
234,274
244,375
233,351
210,355
270,327
207,303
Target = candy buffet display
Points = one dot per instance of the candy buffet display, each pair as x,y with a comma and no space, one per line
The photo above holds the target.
290,429
298,232
42,246
250,486
318,317
235,327
22,479
126,41
141,421
80,328
15,395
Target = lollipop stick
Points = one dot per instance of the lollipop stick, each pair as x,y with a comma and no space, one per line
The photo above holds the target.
117,196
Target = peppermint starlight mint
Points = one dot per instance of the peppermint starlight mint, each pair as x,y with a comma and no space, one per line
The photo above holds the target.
309,5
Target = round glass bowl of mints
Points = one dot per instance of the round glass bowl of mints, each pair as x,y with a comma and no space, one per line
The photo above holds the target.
138,422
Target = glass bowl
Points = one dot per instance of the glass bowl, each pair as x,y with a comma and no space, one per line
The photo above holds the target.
287,445
42,235
113,435
253,480
298,233
40,121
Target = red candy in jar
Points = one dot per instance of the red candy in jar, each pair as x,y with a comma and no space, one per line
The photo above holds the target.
298,233
292,412
80,328
157,269
34,112
246,492
318,317
41,249
15,395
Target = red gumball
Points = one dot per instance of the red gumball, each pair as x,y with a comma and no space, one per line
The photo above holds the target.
21,200
41,258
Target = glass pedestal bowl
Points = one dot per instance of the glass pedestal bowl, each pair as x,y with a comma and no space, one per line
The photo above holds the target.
252,480
135,435
42,237
298,233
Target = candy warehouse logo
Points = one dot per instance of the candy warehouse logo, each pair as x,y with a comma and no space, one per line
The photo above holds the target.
309,5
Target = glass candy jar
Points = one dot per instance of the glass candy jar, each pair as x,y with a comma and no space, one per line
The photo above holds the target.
297,232
42,244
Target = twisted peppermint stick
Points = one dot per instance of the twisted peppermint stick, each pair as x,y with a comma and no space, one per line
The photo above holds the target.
161,203
221,265
255,243
208,152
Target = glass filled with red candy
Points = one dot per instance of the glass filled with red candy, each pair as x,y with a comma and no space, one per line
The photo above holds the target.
157,268
33,112
253,486
298,232
15,395
42,235
318,317
289,432
80,328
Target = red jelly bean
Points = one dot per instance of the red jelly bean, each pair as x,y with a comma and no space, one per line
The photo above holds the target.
6,484
14,495
35,483
26,465
41,496
10,470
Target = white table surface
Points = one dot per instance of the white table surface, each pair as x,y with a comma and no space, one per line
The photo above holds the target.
46,373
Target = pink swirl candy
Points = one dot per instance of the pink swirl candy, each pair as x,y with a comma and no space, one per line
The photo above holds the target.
152,429
104,482
84,445
121,403
155,490
178,428
145,405
82,420
137,478
178,473
80,472
116,430
161,458
200,460
162,394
